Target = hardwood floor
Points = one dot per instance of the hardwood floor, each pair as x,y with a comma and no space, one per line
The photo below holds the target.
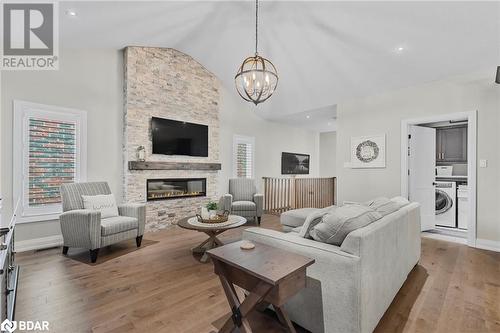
161,287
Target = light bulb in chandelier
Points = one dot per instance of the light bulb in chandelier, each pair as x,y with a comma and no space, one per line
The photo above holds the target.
263,83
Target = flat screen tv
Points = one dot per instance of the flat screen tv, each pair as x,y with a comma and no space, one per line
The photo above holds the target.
171,137
294,164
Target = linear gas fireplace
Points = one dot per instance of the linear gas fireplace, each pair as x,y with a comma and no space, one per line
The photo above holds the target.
175,188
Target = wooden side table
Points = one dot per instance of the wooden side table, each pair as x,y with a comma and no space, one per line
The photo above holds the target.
212,231
270,275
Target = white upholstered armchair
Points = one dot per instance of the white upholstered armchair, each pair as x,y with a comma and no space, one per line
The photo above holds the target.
243,199
83,228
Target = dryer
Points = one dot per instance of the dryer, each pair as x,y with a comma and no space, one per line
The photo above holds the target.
446,198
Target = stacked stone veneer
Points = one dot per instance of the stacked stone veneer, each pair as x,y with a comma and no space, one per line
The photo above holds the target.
166,83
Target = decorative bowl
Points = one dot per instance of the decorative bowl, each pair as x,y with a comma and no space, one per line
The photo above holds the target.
218,218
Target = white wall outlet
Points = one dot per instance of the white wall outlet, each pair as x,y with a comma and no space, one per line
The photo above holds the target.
483,163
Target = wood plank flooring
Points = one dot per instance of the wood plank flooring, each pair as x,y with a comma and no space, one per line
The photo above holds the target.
161,287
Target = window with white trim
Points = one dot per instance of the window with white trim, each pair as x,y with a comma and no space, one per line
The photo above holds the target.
49,150
243,156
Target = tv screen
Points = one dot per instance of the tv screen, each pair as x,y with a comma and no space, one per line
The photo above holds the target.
171,137
294,164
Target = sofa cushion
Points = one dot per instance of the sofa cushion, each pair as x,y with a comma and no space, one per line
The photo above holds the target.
401,201
117,224
105,203
296,217
338,223
243,205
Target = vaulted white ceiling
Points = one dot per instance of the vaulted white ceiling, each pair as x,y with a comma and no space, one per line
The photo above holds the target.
325,52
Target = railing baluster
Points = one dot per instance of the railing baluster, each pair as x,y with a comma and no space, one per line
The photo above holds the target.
282,194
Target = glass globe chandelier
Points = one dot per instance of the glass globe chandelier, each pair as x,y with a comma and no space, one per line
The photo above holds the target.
257,77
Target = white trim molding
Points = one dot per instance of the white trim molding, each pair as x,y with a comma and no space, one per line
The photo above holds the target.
487,244
23,111
38,243
471,161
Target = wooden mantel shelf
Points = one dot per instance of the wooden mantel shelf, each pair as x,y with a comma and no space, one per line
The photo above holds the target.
136,165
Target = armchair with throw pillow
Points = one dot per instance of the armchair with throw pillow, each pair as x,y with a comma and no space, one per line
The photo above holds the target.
243,199
91,219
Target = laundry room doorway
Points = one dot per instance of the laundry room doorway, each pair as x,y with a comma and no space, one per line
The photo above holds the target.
438,170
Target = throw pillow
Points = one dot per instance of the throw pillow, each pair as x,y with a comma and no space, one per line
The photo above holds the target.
313,219
383,205
338,223
105,203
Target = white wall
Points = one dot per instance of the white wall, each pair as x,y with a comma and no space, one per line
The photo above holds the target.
328,154
271,139
92,80
383,113
89,80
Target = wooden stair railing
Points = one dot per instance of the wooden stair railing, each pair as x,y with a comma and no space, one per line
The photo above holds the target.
282,194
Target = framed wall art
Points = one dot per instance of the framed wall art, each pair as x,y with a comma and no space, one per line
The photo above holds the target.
368,151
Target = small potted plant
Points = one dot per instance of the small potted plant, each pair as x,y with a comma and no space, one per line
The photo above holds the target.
212,208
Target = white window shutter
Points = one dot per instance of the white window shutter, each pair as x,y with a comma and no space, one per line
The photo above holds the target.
244,148
51,158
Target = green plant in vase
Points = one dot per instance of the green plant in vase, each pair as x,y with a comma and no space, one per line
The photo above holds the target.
212,208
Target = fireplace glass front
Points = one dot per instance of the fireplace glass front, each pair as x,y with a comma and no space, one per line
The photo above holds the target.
163,189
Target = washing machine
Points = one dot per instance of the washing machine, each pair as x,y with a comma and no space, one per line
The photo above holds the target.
446,198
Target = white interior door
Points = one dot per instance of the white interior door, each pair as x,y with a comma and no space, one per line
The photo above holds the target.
421,164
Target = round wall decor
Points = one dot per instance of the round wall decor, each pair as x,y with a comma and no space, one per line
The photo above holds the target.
367,151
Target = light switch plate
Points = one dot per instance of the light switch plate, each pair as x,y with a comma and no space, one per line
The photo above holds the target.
483,163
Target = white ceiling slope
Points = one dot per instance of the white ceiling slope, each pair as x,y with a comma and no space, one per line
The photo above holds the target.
325,52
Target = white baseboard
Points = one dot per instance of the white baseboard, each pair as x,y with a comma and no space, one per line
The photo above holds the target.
487,244
38,243
446,238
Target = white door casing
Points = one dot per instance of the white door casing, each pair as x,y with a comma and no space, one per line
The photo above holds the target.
421,166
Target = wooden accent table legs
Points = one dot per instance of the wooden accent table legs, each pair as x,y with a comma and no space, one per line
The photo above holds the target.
240,311
269,275
211,242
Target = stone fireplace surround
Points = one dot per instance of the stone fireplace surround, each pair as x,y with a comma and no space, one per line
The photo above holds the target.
166,83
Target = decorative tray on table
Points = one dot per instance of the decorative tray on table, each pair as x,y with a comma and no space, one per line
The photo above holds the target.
218,218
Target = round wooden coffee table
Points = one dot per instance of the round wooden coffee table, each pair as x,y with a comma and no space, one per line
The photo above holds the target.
212,230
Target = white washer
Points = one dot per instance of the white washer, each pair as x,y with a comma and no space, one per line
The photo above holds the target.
446,198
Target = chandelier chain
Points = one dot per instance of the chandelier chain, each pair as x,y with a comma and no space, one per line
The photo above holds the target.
256,25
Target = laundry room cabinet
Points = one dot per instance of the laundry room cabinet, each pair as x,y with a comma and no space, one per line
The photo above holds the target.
451,144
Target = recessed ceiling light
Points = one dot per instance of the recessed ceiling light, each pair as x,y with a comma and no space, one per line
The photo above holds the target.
71,12
308,117
400,49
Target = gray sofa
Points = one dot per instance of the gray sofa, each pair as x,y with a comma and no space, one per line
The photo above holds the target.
243,199
83,228
349,287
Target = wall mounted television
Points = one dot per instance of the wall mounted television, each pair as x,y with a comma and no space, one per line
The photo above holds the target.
172,137
294,164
